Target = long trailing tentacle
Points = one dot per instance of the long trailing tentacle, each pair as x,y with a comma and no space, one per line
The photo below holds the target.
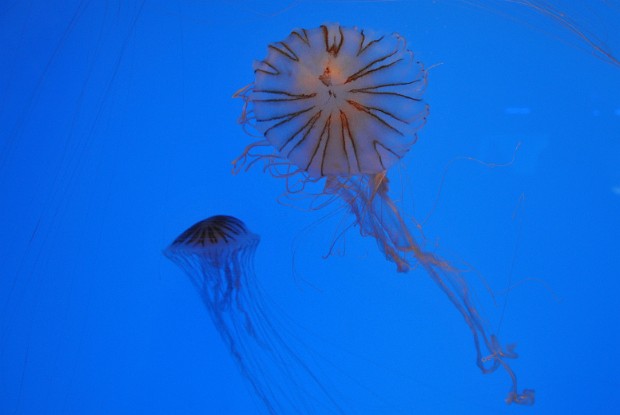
379,217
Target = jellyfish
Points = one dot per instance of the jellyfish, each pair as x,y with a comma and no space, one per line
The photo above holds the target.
337,107
218,256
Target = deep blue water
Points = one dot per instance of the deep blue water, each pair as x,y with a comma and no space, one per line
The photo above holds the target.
117,132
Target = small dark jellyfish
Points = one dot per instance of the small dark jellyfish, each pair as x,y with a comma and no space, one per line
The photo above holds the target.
342,105
218,256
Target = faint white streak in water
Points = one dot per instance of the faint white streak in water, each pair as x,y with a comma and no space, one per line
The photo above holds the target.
517,111
590,22
616,190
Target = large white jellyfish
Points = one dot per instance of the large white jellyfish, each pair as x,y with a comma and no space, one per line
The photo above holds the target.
343,105
218,256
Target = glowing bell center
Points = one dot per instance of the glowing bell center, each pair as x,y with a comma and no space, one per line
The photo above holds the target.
331,89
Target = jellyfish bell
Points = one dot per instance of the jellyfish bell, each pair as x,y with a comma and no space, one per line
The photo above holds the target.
214,239
339,101
340,106
217,253
219,231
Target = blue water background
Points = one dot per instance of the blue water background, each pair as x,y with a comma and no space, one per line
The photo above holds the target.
117,129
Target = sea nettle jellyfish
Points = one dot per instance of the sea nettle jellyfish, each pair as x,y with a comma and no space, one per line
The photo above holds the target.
341,106
218,256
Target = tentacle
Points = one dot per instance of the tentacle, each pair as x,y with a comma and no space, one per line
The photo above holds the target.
379,217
